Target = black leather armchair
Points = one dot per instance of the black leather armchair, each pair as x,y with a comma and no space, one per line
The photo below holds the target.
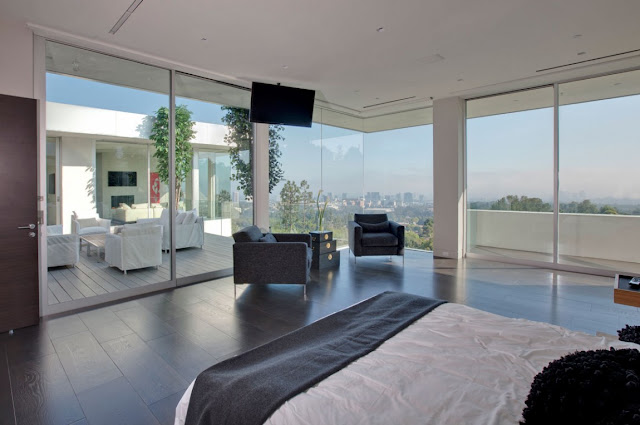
271,258
375,234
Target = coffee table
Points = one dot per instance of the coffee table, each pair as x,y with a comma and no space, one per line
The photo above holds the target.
96,241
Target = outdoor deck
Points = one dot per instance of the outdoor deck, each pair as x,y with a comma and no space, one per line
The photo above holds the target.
91,277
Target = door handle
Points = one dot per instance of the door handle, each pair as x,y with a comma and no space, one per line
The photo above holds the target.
29,227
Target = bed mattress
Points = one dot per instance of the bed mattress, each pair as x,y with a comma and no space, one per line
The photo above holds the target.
456,365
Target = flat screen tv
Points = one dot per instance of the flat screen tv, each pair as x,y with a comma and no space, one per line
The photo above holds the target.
272,104
123,178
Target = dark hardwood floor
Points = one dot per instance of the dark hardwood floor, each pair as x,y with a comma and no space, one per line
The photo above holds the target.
129,363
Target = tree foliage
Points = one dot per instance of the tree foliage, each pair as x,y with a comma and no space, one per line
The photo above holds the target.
522,203
239,139
290,196
184,150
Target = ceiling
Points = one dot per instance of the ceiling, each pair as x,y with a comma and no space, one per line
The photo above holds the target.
426,48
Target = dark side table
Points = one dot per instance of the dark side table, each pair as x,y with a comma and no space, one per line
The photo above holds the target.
324,250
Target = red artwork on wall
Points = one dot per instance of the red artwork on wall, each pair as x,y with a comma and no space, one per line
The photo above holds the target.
154,187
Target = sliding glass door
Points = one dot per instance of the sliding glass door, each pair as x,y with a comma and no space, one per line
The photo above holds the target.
599,189
103,188
510,175
591,220
213,171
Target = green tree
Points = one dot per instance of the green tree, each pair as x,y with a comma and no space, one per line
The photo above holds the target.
184,150
239,139
289,202
608,209
306,198
522,203
586,207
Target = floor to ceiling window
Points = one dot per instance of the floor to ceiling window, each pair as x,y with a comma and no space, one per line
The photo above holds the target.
385,171
599,192
510,175
102,178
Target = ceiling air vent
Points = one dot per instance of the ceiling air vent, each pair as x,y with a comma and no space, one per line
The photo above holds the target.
125,16
588,60
387,102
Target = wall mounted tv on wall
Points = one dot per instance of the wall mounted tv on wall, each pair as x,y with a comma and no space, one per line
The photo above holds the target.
272,104
123,178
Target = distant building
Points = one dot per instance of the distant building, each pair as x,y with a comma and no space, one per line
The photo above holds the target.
408,198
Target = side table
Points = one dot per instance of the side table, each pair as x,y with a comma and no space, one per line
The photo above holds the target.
324,250
623,293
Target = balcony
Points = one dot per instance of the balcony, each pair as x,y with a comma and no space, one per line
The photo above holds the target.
600,241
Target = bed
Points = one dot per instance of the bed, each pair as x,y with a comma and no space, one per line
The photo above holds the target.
455,365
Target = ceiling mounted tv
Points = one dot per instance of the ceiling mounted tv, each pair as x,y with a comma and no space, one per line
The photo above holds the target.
272,104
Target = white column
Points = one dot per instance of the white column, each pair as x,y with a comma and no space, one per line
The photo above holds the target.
261,175
448,177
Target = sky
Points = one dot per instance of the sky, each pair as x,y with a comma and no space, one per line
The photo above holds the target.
506,154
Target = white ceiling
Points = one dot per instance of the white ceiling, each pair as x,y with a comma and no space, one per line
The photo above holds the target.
429,48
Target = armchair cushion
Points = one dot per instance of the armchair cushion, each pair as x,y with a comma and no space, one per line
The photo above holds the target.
375,227
379,239
83,231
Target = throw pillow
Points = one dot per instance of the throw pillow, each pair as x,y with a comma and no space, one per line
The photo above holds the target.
268,237
375,227
594,387
190,218
180,217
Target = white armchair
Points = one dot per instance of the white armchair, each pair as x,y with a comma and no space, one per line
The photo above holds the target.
92,225
62,250
134,248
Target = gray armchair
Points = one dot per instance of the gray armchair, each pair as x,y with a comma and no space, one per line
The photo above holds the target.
375,234
271,258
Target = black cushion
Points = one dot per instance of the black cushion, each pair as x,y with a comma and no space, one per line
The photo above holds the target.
248,234
379,239
587,387
375,227
268,237
369,218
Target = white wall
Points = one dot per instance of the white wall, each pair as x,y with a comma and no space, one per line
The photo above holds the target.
448,177
609,237
137,162
16,57
85,120
77,169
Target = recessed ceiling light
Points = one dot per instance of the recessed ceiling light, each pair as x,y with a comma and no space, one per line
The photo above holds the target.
460,79
616,84
381,29
203,39
377,98
582,53
577,36
285,66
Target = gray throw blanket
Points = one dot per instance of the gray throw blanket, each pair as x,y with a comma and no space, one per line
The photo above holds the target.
248,388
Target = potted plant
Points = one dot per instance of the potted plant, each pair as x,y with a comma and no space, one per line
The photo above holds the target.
320,234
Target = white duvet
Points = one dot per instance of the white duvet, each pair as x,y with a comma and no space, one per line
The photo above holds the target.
456,365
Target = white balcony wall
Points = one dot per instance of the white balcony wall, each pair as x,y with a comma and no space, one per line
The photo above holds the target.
608,237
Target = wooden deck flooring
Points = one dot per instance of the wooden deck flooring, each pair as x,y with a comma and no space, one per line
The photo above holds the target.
93,277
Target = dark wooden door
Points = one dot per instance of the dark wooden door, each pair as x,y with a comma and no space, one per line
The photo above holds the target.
19,293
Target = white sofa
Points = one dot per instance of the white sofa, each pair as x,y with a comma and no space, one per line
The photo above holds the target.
130,214
134,247
187,235
62,250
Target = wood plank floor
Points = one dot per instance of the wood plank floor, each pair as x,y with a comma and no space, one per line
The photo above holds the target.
92,276
130,362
